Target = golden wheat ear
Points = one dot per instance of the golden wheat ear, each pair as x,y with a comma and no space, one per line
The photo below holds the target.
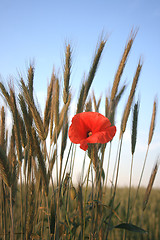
130,99
4,168
152,125
150,185
41,162
93,68
62,115
2,129
122,64
80,104
47,110
56,103
30,79
16,117
87,84
96,104
67,73
36,115
88,106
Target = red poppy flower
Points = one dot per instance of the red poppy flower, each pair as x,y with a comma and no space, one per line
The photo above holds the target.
90,127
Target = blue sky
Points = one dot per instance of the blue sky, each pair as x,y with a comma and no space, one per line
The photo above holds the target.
38,30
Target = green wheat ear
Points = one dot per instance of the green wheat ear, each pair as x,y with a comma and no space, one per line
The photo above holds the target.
134,127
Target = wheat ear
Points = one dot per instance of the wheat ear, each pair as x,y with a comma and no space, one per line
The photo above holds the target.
2,128
30,79
15,114
122,64
41,162
47,110
152,125
36,116
93,69
60,123
67,73
130,99
56,103
5,94
80,104
150,185
53,78
4,168
88,106
134,127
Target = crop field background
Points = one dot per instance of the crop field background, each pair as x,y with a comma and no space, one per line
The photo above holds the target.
150,219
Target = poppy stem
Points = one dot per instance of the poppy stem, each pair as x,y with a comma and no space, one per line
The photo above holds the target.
85,196
115,186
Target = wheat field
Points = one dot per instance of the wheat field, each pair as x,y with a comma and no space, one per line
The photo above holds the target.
39,199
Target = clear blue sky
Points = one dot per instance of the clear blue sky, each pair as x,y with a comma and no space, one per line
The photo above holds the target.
39,30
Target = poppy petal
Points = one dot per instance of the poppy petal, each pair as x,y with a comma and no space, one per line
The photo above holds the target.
84,145
78,129
102,136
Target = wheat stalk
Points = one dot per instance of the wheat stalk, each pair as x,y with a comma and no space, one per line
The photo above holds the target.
80,207
31,211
